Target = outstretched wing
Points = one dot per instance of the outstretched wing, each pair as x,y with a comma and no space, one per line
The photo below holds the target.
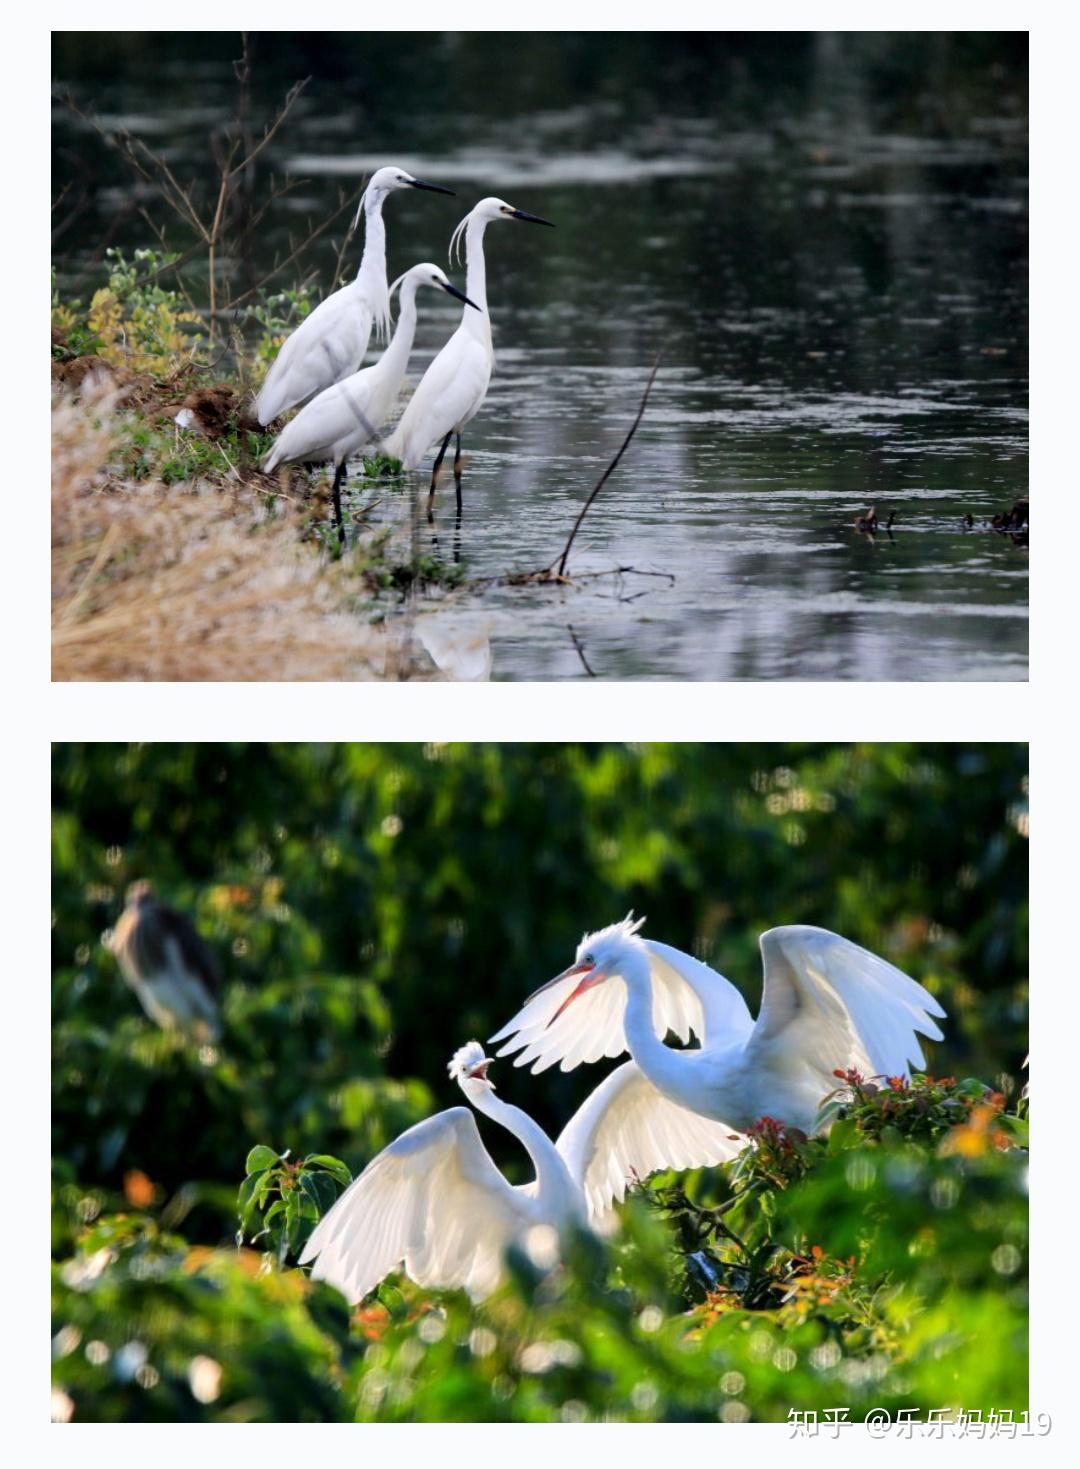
627,1129
834,1004
688,997
724,1015
433,1202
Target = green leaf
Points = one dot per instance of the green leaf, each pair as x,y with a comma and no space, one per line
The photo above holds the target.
320,1188
971,1086
393,1300
843,1134
1015,1127
245,1200
261,1157
333,1166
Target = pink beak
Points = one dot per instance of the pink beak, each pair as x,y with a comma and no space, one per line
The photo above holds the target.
591,976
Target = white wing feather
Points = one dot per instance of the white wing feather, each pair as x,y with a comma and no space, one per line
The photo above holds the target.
627,1128
327,346
688,997
724,1016
432,1202
339,421
834,1004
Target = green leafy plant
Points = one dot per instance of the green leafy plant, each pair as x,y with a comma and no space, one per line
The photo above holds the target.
277,315
882,1265
136,321
280,1201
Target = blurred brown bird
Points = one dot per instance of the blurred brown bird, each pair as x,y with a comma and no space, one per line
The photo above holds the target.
172,970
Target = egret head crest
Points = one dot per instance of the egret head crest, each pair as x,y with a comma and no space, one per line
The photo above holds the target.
469,1063
605,943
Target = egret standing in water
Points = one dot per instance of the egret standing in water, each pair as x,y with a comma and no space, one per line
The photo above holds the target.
331,342
827,1006
435,1203
455,385
348,414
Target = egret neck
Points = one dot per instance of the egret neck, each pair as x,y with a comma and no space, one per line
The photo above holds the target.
477,323
372,272
394,361
665,1068
556,1193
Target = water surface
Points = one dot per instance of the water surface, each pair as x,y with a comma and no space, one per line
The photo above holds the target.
826,239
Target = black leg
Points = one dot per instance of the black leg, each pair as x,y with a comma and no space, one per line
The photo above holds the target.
338,521
435,474
457,476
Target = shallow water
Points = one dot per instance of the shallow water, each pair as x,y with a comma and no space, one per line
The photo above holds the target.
834,271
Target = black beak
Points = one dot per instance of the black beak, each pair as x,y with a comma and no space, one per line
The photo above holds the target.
530,218
435,188
460,295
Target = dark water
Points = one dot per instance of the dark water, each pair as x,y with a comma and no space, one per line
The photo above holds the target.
826,238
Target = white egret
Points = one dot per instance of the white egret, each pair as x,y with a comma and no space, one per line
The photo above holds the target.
827,1005
435,1203
348,414
452,390
331,342
173,972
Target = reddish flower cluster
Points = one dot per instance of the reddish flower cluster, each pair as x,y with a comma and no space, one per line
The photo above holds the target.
778,1149
772,1132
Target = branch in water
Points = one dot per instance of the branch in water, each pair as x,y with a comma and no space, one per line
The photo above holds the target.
607,472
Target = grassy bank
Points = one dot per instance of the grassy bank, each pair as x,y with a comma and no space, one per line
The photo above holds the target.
174,556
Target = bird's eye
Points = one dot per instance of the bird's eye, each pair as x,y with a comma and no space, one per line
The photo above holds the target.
589,959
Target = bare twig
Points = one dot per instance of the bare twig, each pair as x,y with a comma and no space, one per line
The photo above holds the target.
580,651
562,560
286,107
294,254
234,156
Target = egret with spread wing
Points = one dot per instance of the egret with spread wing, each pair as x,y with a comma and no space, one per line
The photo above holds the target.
434,1203
330,343
827,1005
452,390
347,415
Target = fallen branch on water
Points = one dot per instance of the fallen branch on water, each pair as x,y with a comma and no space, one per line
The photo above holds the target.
560,574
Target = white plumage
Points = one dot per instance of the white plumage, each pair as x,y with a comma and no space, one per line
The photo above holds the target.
435,1204
592,1027
348,414
330,343
452,390
827,1005
626,1130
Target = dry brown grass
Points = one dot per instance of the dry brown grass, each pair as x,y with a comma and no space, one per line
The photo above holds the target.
156,583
